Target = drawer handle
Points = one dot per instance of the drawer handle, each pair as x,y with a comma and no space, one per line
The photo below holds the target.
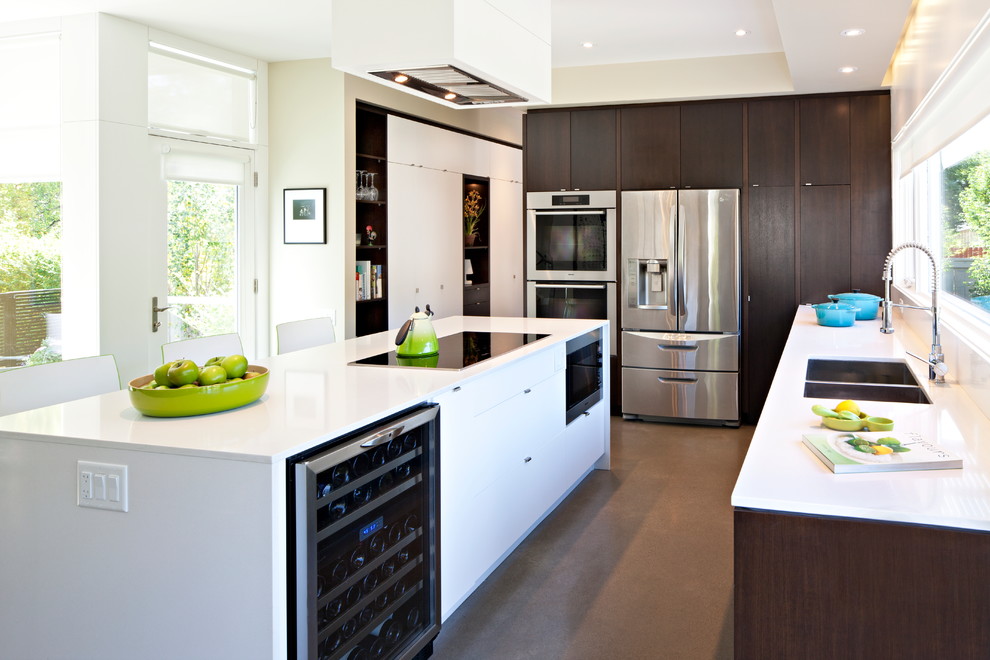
586,413
456,389
671,347
527,459
688,381
527,391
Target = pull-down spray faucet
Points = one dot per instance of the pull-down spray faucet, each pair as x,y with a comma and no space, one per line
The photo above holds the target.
936,365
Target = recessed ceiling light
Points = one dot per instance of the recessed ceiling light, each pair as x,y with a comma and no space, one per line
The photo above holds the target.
848,69
853,32
450,96
401,78
588,44
742,33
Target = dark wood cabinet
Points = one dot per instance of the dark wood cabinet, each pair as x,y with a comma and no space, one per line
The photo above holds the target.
770,294
650,145
593,149
548,150
823,587
870,190
477,251
371,142
771,137
571,150
825,242
824,140
711,145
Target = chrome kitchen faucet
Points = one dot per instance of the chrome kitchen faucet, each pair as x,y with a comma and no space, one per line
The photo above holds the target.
936,365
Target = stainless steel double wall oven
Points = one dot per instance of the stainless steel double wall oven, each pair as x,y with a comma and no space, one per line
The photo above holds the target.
571,256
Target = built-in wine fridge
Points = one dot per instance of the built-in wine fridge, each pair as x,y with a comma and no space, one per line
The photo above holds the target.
363,543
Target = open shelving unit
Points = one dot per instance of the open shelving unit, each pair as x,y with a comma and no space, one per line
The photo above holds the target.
477,287
371,312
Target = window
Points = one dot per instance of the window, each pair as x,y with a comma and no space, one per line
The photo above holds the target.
197,95
30,201
964,182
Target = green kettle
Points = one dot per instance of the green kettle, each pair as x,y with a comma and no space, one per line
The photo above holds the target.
416,337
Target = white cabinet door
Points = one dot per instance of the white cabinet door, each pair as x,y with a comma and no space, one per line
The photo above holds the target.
506,163
507,281
424,227
415,143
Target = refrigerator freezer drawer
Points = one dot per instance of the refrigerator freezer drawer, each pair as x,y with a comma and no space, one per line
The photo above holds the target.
697,395
679,350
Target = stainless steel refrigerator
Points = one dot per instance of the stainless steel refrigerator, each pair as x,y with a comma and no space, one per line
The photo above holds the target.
680,305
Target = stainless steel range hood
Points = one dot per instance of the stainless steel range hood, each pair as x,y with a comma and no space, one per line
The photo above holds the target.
463,53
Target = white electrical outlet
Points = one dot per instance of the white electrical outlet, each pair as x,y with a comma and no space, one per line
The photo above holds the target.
101,486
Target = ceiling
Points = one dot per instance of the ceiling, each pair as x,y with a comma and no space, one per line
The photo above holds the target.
805,32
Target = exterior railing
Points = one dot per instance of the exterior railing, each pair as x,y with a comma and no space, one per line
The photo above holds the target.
23,322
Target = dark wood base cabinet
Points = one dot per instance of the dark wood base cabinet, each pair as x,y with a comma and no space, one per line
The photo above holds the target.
820,587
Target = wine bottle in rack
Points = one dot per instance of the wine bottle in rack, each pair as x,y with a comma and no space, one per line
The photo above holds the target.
358,557
361,465
338,573
340,475
392,631
338,509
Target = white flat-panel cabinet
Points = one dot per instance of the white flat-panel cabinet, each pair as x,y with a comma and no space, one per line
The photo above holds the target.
415,143
506,231
424,226
505,162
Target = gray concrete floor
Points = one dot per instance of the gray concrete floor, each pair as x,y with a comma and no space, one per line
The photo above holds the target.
636,563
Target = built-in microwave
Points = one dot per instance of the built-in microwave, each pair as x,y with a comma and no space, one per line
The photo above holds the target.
571,236
583,377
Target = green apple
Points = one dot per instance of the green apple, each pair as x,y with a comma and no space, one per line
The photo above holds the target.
211,375
235,365
214,360
161,374
251,374
186,386
183,372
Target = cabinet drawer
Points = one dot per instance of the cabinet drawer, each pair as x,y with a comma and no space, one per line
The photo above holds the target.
678,350
504,383
482,308
476,294
683,394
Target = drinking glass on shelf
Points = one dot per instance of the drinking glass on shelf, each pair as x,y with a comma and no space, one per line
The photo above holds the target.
362,191
371,193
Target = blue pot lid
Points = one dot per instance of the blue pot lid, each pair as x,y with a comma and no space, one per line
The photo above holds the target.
854,296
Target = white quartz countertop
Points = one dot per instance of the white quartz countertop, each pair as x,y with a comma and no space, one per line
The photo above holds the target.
781,474
313,396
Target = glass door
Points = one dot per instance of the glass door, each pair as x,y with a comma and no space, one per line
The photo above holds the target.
207,267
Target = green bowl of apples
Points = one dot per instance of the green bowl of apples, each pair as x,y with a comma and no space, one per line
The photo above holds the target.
193,399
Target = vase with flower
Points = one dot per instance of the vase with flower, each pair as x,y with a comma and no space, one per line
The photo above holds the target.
474,206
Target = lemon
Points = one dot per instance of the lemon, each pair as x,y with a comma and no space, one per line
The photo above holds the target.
851,406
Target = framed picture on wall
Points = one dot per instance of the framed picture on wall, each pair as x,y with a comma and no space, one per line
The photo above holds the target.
305,215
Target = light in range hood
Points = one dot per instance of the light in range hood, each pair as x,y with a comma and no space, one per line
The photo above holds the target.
460,53
451,84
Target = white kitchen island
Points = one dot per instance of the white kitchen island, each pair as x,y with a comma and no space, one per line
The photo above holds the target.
881,564
196,568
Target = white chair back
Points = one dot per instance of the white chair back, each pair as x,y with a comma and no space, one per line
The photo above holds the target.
24,388
297,335
201,349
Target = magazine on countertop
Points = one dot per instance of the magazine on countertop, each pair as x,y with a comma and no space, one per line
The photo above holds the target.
879,451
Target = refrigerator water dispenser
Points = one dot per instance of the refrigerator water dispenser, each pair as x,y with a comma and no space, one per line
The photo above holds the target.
648,283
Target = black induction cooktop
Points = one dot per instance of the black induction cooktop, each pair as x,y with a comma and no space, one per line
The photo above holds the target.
457,351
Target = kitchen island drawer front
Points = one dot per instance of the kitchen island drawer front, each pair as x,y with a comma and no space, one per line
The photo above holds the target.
680,350
508,381
682,394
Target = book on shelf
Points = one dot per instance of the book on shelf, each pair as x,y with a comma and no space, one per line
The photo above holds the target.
879,451
370,280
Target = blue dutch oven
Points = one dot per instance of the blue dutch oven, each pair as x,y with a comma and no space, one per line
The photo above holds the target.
836,315
868,304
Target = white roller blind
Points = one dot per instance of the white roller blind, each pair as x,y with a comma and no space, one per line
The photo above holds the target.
192,166
200,96
29,108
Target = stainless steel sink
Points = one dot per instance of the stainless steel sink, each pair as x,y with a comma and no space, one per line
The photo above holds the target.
879,372
867,380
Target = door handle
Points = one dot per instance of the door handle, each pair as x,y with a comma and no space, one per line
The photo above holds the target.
155,310
675,347
687,381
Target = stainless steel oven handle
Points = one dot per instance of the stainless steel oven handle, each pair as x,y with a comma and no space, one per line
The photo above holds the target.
600,287
571,212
